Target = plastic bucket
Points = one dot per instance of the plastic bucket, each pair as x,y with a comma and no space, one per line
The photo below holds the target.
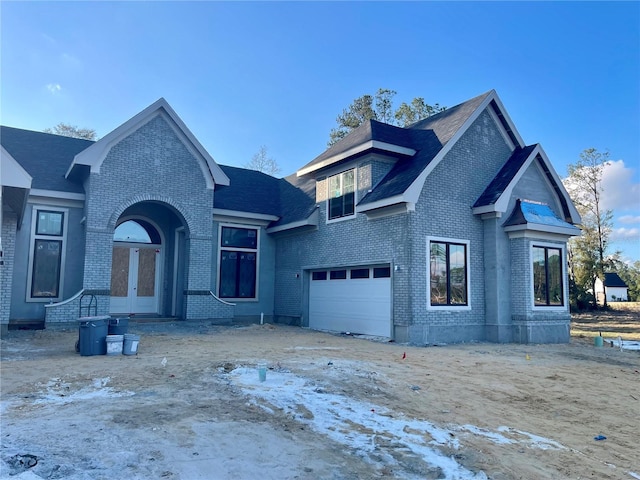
118,326
93,334
597,341
130,346
262,371
114,344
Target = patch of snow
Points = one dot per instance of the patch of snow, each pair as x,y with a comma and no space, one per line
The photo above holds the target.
57,392
625,344
366,428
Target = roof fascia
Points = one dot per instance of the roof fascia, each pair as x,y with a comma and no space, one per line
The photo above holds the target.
311,220
221,215
368,145
538,231
36,192
385,202
94,155
13,175
414,190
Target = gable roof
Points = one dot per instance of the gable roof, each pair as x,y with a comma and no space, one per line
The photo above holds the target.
496,196
96,153
44,156
613,280
418,148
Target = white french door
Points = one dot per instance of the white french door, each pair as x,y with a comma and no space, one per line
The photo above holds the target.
135,276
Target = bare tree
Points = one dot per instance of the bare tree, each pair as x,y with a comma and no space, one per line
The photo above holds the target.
262,162
68,130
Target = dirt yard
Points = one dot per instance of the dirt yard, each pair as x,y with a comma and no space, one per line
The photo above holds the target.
190,406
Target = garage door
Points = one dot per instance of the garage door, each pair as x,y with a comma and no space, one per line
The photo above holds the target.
356,300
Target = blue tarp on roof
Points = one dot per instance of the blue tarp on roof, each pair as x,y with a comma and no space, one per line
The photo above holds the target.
527,211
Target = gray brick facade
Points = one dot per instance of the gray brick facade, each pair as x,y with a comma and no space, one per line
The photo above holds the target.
156,174
9,225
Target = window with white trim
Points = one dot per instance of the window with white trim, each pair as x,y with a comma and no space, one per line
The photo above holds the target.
47,247
547,276
448,278
238,262
341,195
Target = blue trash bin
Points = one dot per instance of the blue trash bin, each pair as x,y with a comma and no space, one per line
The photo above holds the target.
93,336
118,326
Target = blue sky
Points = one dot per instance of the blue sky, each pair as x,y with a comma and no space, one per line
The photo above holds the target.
242,75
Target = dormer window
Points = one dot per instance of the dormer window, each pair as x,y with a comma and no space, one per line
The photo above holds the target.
341,195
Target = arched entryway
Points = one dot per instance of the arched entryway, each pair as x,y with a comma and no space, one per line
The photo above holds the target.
136,268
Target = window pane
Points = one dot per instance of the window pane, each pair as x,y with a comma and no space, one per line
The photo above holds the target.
239,237
341,195
319,275
247,278
131,231
335,190
457,275
349,204
382,272
338,275
554,275
438,273
539,276
360,273
335,208
49,223
228,273
348,182
45,280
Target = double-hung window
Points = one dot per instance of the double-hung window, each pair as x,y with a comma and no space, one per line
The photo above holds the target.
547,276
48,235
341,195
238,262
448,273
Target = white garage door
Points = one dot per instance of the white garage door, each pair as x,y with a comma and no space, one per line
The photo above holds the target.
356,300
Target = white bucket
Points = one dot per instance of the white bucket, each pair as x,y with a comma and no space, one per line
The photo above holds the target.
114,344
130,344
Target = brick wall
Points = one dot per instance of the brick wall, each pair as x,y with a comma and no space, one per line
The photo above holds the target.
150,165
444,210
9,225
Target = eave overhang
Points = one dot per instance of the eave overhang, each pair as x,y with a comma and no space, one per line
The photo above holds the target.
311,221
358,149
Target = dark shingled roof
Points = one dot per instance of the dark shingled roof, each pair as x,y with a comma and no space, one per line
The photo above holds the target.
428,137
369,130
504,177
614,280
256,192
44,156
